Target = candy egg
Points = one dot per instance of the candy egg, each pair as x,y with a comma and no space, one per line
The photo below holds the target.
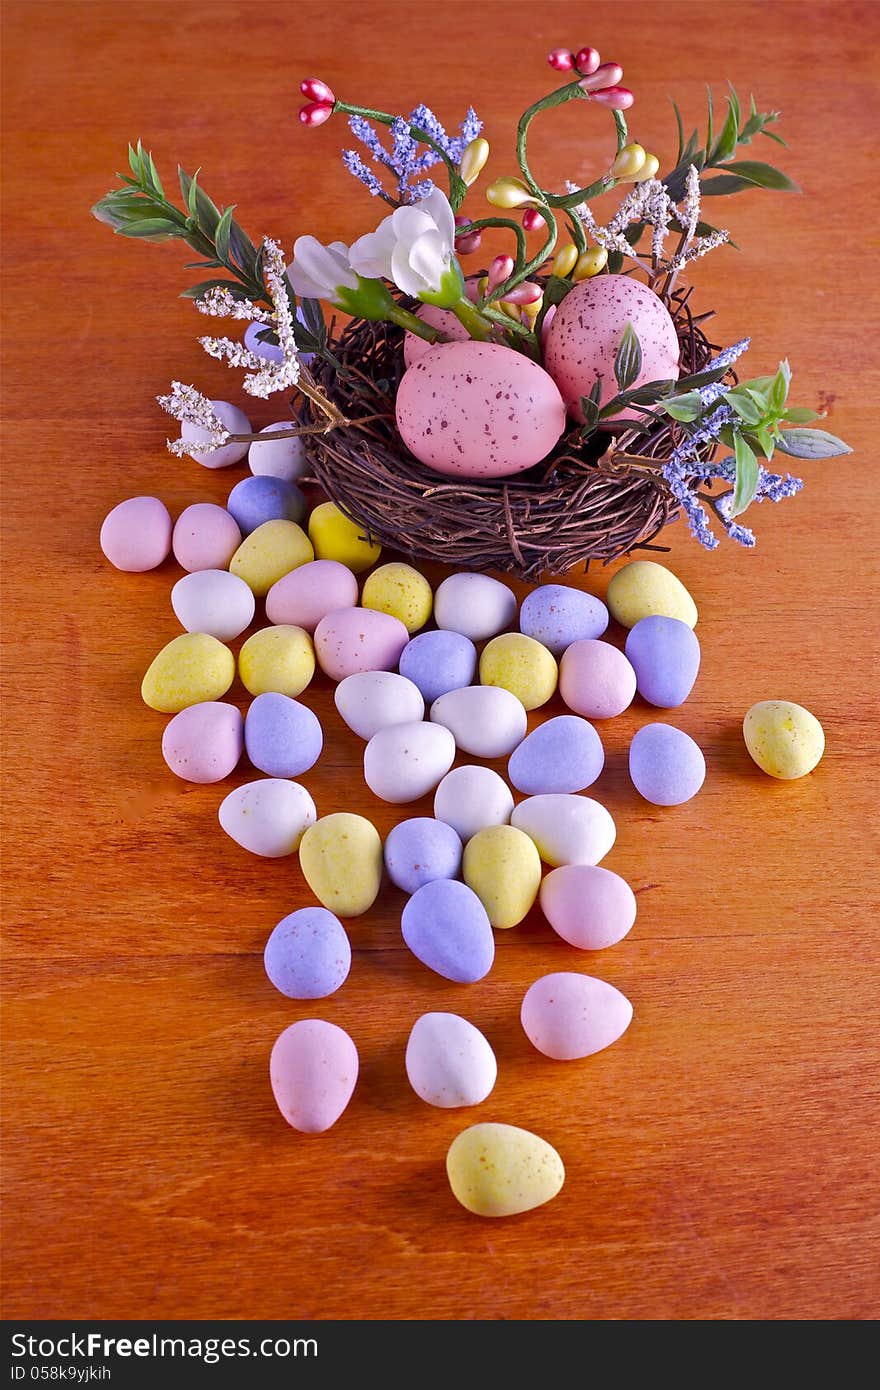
566,829
205,537
568,1016
665,655
503,868
267,817
308,955
478,410
522,666
564,754
420,850
445,926
406,761
644,589
470,798
256,500
438,662
476,605
307,594
444,321
372,700
349,640
136,535
191,668
501,1170
203,743
313,1071
558,615
449,1062
283,738
485,720
278,458
665,764
784,739
336,537
213,601
586,334
270,552
589,907
596,680
400,590
234,421
341,860
280,659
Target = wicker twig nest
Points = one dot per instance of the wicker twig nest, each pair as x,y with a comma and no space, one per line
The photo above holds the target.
574,507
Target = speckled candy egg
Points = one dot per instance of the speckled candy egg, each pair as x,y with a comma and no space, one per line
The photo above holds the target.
277,658
567,1016
566,829
596,680
400,590
420,850
445,926
406,761
203,743
358,639
503,868
522,666
278,458
476,605
307,594
564,754
372,700
341,859
205,537
478,410
589,907
308,955
587,331
234,421
191,668
313,1071
643,589
283,738
665,655
213,601
256,500
485,720
438,662
557,615
449,1062
469,798
665,764
502,1170
784,739
270,552
336,537
136,535
267,817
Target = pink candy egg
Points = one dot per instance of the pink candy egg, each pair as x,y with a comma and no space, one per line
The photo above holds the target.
358,639
596,680
313,1070
589,907
205,537
204,742
309,593
566,1015
234,421
136,535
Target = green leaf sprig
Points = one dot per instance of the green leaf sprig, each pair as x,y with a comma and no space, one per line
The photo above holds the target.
718,151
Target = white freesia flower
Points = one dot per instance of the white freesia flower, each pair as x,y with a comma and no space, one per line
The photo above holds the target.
414,248
320,272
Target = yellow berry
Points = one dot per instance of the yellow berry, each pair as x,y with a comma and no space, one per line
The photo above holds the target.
510,193
590,263
473,160
629,161
565,260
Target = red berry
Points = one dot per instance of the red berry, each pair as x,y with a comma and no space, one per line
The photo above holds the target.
316,90
562,59
605,76
532,220
316,113
617,98
587,61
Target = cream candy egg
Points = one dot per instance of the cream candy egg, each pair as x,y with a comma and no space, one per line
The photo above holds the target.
470,798
205,537
213,601
372,700
568,1016
358,639
313,1071
521,665
485,720
449,1062
341,859
136,535
566,829
587,331
589,907
784,739
476,605
478,410
234,421
311,591
204,742
400,590
278,458
278,659
502,1170
270,552
405,761
268,817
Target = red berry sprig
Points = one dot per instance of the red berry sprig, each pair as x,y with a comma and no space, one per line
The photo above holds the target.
599,80
321,101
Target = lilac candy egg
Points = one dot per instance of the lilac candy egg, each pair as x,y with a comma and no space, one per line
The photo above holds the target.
282,737
666,766
596,680
446,927
234,421
420,850
557,615
308,955
358,639
205,537
271,352
438,662
203,743
136,535
313,1071
563,755
310,592
259,499
566,1015
278,458
589,907
665,655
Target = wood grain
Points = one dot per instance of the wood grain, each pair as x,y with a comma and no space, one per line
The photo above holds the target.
721,1158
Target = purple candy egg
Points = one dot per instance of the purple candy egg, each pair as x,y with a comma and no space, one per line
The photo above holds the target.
420,850
282,737
446,927
665,655
308,955
557,615
665,764
563,755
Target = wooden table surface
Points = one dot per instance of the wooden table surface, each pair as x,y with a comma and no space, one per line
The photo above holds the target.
720,1157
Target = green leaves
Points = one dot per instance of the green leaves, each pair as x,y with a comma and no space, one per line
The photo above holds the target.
628,359
811,444
718,151
686,407
749,173
590,408
746,484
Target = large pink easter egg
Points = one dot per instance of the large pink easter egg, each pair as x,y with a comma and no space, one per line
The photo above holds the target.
586,332
444,320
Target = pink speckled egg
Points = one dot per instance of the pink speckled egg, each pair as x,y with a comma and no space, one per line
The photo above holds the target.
586,331
136,535
478,410
589,907
309,593
358,639
205,537
204,742
566,1015
313,1070
595,679
234,421
443,320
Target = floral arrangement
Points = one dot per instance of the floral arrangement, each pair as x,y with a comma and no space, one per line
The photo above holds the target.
591,321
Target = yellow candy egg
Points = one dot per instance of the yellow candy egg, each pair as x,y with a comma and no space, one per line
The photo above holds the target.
270,552
192,668
341,860
643,589
400,590
336,537
279,659
502,866
501,1170
521,665
784,739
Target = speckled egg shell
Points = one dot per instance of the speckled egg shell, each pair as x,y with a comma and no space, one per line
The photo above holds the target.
557,615
308,955
444,321
784,739
501,1170
567,1015
406,761
313,1071
203,743
267,817
358,639
589,907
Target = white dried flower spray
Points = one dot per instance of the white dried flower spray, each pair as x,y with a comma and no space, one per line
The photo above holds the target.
190,407
265,378
221,304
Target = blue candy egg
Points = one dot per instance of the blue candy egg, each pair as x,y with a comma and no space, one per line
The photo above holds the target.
438,662
282,737
420,850
563,755
665,655
446,927
558,615
271,352
264,498
665,764
308,955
